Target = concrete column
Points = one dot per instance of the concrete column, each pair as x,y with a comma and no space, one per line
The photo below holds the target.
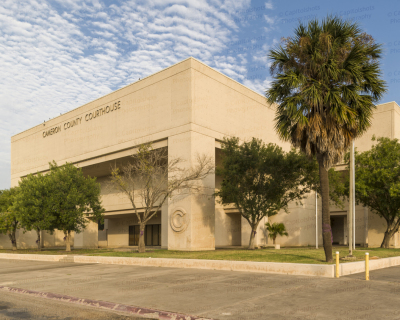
246,230
118,231
262,233
103,238
89,238
164,226
191,217
78,240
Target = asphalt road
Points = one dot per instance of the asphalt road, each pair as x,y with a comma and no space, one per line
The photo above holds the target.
16,306
208,293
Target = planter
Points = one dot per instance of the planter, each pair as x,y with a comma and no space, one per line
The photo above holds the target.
277,246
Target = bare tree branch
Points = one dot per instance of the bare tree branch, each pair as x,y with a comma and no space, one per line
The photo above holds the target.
149,178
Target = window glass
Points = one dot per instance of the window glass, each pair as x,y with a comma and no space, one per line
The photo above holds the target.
100,225
152,235
131,236
148,235
137,232
155,235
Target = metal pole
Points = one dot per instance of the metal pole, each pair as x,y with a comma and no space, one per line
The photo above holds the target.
337,264
365,226
350,216
354,197
316,220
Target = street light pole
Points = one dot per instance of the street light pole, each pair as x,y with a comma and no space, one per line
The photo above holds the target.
351,216
353,179
316,219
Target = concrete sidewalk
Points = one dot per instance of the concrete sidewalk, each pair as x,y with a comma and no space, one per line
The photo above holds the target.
211,293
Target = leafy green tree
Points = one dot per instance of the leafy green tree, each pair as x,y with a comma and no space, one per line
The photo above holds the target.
74,198
262,179
33,207
9,222
377,173
276,229
326,81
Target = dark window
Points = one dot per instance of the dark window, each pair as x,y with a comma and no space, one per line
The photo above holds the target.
155,239
134,235
101,225
152,235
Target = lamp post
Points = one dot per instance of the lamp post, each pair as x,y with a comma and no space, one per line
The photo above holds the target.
353,179
351,217
316,220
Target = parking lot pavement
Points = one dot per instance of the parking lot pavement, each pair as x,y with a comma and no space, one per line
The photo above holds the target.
391,275
13,306
213,293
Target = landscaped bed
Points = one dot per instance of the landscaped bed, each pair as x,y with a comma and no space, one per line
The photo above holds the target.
285,254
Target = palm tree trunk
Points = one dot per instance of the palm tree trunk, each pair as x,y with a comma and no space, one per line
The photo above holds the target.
326,216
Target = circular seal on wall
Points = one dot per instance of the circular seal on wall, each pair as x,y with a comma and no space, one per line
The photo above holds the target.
179,220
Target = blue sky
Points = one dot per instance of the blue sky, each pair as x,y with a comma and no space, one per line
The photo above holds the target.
57,55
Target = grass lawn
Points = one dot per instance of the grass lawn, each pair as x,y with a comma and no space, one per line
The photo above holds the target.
285,254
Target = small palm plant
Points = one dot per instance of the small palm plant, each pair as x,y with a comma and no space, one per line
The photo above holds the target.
276,229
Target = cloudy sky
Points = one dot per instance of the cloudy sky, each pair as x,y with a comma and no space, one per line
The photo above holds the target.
57,55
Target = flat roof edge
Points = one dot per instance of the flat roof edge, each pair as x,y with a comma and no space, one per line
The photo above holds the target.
228,77
126,86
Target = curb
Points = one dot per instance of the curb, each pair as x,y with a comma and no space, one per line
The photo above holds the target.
144,312
359,266
299,269
318,270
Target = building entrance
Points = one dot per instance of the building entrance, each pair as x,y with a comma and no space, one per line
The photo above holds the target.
152,235
338,225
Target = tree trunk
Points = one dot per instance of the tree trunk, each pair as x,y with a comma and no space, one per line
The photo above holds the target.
67,239
253,236
142,246
39,246
390,233
13,240
386,240
326,216
274,238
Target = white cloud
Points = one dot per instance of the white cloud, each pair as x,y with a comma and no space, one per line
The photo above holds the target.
269,19
269,5
258,85
57,55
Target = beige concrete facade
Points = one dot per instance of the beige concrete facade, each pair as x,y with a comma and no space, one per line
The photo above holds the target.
187,108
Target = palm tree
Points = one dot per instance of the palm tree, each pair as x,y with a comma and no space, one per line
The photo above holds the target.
326,80
276,229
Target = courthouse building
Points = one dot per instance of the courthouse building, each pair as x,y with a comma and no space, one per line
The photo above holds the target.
188,109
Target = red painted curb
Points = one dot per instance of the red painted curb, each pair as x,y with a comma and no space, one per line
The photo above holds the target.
153,313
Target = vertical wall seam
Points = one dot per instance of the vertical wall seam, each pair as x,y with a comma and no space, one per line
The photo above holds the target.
393,124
